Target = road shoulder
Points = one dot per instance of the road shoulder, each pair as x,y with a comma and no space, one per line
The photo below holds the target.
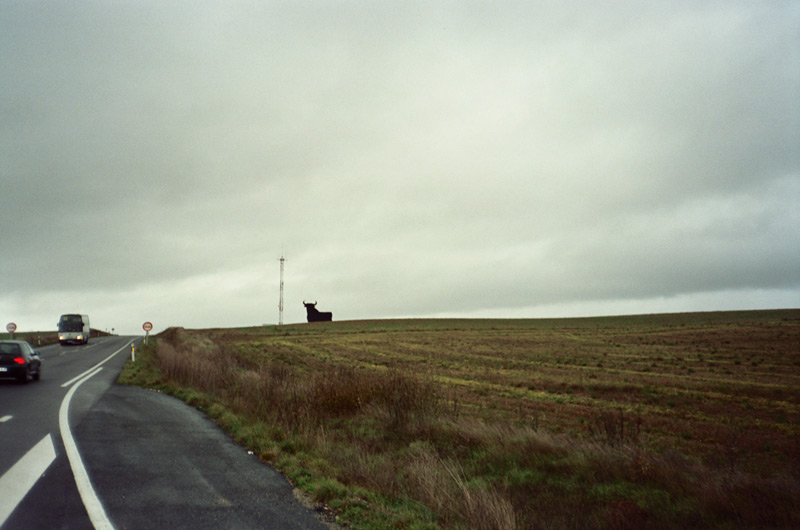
156,463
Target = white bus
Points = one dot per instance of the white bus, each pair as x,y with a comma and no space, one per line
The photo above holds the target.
74,328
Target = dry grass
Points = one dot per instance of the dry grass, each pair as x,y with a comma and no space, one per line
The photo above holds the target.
35,338
667,421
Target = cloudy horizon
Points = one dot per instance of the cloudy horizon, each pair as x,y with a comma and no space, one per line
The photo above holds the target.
410,159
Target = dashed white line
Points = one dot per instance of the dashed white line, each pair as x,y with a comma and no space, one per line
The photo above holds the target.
104,361
17,481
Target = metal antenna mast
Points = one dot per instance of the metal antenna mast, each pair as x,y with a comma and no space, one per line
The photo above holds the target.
280,303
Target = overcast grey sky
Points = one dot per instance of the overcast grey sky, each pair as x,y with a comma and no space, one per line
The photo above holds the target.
499,159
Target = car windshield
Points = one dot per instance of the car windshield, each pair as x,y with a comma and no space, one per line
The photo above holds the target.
6,347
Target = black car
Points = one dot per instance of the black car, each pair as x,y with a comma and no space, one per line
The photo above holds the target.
19,361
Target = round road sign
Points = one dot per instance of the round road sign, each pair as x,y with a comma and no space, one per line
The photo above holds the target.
11,327
147,326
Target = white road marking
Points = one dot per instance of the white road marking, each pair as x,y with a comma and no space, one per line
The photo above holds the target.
5,419
94,507
17,481
101,363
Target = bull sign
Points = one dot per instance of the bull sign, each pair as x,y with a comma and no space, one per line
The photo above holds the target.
314,315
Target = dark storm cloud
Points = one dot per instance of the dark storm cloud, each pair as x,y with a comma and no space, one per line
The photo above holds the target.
414,158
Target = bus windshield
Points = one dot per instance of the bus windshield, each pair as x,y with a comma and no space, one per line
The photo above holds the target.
70,323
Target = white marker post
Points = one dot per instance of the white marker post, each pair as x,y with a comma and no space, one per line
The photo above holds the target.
147,327
11,328
133,353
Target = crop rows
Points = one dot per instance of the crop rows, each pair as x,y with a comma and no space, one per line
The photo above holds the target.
669,420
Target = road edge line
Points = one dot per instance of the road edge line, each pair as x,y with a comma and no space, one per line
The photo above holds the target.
91,502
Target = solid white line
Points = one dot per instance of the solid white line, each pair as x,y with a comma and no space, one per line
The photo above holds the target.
101,363
5,419
17,481
94,507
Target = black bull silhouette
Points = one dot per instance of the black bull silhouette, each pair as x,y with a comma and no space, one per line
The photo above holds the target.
316,316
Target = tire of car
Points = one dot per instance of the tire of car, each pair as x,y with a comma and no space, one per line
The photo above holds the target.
23,378
38,374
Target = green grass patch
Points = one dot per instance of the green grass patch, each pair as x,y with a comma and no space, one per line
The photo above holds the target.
510,423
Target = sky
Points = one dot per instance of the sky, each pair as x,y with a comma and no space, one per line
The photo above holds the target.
503,159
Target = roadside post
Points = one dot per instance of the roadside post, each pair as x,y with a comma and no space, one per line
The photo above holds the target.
11,328
147,327
133,353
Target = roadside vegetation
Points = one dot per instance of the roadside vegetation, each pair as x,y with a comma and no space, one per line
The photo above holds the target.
659,421
34,338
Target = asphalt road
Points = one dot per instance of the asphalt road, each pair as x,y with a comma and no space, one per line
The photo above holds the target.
78,451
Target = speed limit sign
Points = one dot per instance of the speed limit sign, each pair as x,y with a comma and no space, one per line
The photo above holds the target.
11,327
147,326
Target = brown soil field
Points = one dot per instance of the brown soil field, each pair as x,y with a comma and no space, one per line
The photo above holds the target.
723,387
659,421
